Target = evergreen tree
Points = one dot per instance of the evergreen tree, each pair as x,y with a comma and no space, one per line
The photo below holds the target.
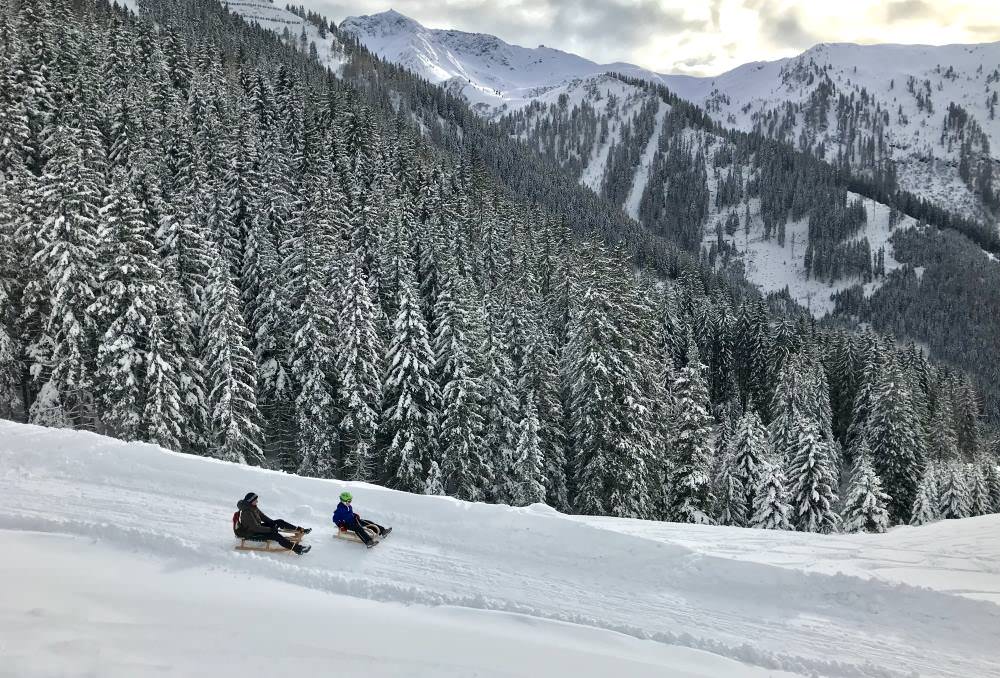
313,369
500,406
434,484
68,203
163,414
865,507
979,491
124,309
749,451
892,435
926,506
410,400
730,492
608,410
943,443
992,473
771,506
232,378
529,468
691,498
359,371
954,498
812,481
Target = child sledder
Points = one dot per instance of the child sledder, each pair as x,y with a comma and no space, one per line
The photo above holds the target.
353,527
251,525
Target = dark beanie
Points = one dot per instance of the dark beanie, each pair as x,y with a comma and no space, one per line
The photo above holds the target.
250,496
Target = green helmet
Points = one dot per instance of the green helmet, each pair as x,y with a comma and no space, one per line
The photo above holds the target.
345,496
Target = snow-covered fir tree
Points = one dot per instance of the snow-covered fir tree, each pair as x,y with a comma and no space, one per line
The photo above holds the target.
359,373
771,508
434,483
926,506
979,491
232,379
749,450
608,417
953,500
730,492
812,480
690,495
411,400
865,506
892,435
529,466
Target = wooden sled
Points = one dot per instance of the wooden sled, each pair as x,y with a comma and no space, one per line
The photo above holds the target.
351,535
269,546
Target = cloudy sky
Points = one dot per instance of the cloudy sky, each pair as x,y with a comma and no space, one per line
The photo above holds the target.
701,37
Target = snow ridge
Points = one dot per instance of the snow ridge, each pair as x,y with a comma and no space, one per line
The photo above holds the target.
494,76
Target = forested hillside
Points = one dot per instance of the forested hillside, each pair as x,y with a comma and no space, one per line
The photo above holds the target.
800,180
211,242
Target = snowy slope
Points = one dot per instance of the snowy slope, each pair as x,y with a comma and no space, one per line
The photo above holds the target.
773,267
270,15
123,559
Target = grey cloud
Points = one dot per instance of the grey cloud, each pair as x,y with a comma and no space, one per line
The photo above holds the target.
619,24
986,32
781,26
788,32
908,9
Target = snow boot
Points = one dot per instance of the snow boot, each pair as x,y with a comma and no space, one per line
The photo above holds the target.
304,530
302,549
386,533
372,544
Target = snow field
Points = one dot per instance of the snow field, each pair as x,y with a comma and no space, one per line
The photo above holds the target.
857,613
91,609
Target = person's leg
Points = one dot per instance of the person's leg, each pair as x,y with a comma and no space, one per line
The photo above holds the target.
360,530
282,525
274,535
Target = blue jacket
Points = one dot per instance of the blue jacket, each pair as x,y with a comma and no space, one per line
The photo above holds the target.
344,515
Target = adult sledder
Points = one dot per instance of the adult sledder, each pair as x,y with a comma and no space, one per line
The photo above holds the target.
350,523
250,524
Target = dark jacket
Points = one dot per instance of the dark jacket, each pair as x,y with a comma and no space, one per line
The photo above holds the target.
344,516
252,520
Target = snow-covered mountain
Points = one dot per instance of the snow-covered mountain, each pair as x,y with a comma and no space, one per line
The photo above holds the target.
914,104
494,77
854,106
120,562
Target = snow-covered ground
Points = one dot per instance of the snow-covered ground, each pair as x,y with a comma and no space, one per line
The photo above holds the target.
119,562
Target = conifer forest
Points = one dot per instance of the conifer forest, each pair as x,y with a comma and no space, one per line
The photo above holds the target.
211,242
